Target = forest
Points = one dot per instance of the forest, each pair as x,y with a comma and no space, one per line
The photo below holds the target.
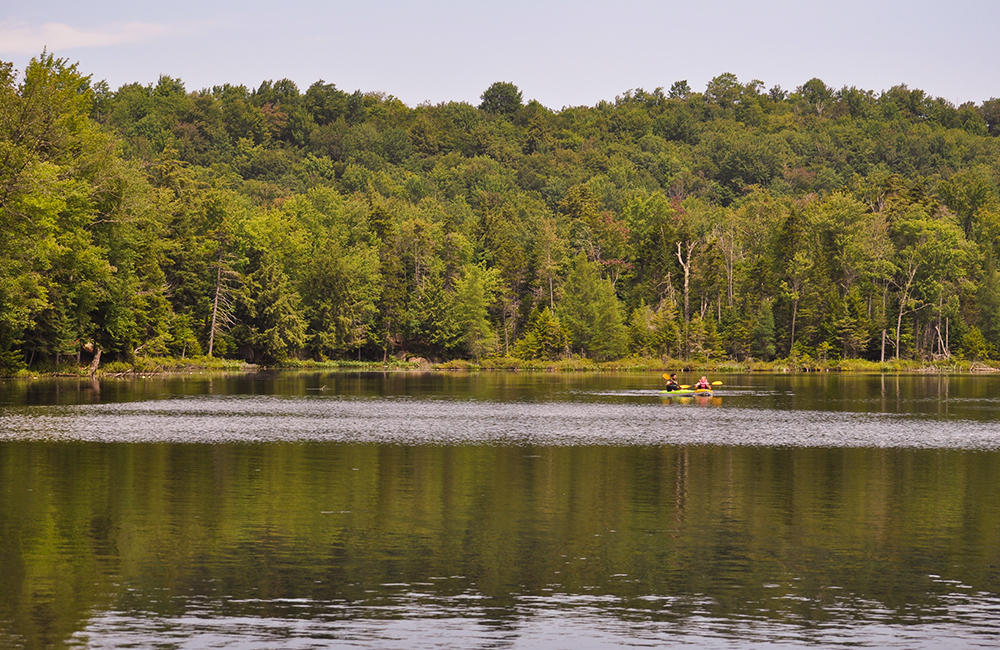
276,224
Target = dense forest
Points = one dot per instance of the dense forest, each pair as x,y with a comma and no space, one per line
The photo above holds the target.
273,223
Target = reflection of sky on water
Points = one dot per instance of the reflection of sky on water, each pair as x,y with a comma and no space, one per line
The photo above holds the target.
414,618
401,420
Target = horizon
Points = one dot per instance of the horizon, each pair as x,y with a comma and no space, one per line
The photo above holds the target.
560,54
302,87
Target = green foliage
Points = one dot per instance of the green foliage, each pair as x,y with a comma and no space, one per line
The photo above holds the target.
970,194
274,223
590,312
544,338
763,332
975,346
501,98
269,326
474,294
655,333
340,292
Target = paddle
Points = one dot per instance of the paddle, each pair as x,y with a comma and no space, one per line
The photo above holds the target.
667,377
716,383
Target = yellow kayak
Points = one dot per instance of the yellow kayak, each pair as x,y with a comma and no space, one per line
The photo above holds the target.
688,392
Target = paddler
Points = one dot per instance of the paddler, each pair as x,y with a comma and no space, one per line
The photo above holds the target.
703,384
672,382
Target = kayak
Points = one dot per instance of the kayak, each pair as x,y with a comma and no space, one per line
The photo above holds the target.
688,392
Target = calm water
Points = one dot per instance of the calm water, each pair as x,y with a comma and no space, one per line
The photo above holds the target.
500,511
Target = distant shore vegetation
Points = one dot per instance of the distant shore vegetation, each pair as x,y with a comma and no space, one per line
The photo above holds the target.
739,228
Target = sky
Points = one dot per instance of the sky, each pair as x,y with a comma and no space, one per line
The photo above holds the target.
559,52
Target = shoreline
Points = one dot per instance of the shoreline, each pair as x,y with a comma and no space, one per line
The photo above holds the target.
159,367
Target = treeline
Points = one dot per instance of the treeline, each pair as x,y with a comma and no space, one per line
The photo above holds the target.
272,223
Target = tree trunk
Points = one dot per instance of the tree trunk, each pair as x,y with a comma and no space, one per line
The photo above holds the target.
686,265
215,304
905,298
96,361
795,311
899,326
941,344
386,341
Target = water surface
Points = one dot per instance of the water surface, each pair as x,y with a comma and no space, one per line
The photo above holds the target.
499,510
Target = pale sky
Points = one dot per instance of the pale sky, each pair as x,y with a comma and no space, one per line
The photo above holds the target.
561,53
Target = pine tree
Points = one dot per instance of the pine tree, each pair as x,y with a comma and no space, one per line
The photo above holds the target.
544,339
591,314
474,293
763,332
268,312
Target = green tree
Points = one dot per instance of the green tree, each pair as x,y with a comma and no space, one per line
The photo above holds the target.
975,346
967,193
680,90
930,252
501,98
763,332
988,300
817,95
268,313
82,249
432,325
590,312
654,332
550,251
474,293
544,338
42,117
854,328
990,110
340,292
392,302
325,103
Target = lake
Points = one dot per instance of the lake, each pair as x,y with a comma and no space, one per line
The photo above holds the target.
500,510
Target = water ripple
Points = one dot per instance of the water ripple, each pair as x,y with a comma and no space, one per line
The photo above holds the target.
559,620
395,420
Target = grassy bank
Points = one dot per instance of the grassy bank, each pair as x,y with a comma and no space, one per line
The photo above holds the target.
640,364
140,366
161,365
